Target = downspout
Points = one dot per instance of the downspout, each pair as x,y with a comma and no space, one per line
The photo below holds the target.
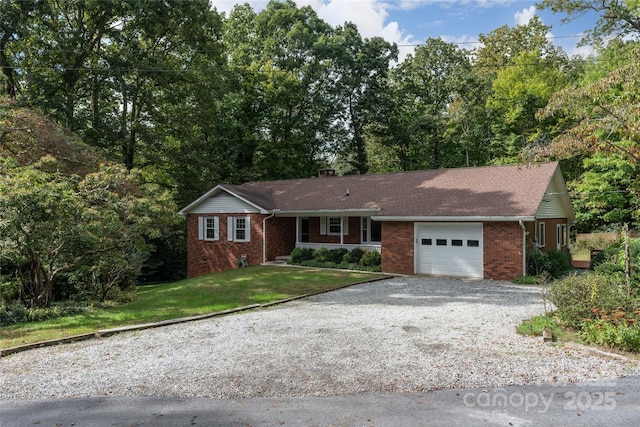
264,235
524,248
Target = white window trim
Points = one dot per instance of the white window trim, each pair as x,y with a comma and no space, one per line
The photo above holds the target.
325,228
561,235
203,228
542,229
367,225
232,227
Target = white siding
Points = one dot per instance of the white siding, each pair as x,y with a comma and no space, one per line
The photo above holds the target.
550,206
223,203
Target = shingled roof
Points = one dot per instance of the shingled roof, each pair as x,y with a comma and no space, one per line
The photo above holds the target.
493,191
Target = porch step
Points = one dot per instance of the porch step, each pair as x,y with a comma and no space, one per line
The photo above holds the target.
284,258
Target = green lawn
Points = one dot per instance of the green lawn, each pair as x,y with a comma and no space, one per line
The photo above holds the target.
200,295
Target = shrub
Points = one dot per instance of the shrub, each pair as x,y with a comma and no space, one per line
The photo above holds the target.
624,335
337,255
301,254
11,314
321,255
576,296
555,263
371,259
353,257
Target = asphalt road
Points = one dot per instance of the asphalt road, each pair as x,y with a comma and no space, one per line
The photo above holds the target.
606,403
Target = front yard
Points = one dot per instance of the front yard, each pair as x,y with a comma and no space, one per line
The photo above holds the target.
199,295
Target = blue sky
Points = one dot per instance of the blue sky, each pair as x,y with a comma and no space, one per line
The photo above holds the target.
411,22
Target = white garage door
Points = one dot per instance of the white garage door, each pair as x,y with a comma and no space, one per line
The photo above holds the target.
450,249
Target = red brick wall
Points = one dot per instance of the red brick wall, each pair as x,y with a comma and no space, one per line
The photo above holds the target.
502,250
397,247
281,237
204,256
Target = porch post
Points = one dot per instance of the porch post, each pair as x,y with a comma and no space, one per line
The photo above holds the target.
341,231
297,230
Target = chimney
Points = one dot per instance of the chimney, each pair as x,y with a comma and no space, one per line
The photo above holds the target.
326,173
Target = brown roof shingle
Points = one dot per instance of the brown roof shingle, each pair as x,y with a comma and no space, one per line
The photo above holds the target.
513,190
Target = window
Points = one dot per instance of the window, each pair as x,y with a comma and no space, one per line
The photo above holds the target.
426,242
332,225
473,243
376,231
335,224
441,242
561,238
541,234
365,229
371,230
208,228
238,229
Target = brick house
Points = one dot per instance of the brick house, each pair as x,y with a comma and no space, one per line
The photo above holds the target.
470,222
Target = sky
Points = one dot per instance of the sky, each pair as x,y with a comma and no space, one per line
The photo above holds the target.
410,22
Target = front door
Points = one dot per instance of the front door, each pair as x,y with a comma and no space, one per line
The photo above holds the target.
304,229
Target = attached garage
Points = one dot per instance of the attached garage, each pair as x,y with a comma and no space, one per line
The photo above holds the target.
450,249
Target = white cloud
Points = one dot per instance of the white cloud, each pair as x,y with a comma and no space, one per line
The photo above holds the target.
523,17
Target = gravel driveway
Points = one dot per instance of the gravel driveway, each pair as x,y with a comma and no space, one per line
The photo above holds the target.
395,335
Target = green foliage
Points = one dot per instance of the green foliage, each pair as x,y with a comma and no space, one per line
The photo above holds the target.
576,296
526,280
16,312
613,329
537,324
371,259
354,256
555,263
337,255
321,255
301,254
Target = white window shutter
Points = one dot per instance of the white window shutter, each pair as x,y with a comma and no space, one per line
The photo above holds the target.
230,229
323,225
200,228
247,231
216,232
345,226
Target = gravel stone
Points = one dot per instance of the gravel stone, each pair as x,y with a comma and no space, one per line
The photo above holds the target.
403,334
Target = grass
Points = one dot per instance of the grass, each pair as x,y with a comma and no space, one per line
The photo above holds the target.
199,295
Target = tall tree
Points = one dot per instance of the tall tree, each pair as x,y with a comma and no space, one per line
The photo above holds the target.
422,90
616,18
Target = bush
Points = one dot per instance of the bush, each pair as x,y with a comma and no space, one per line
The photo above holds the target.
301,254
353,257
555,263
371,259
337,255
321,255
11,314
536,325
623,335
576,296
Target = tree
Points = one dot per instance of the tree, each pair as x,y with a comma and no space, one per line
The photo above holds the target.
414,114
360,69
617,18
519,91
51,223
606,193
599,117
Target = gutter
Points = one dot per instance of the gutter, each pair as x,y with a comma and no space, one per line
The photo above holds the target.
264,234
524,248
454,218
